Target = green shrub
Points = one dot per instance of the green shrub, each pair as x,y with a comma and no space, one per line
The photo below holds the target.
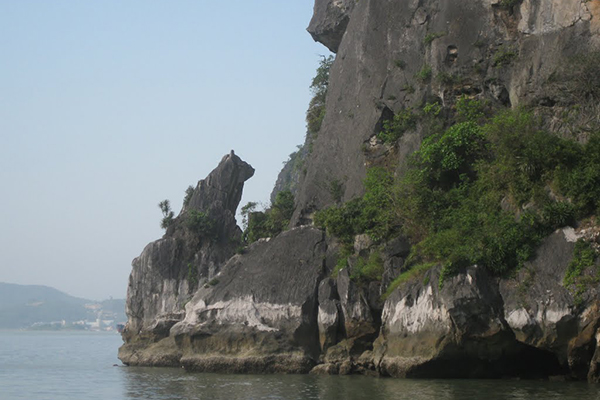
424,75
371,214
430,37
200,223
504,56
584,256
268,223
400,64
316,108
450,199
189,192
393,129
192,276
415,272
168,215
472,110
447,79
370,269
444,157
336,189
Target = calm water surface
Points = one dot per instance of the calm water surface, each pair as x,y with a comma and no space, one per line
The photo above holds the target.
79,365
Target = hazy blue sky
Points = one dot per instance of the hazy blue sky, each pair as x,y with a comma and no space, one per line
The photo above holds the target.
108,107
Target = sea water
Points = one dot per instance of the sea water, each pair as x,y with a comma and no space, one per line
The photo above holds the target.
84,365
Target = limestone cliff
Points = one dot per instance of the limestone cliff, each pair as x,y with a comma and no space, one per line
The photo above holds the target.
169,270
501,53
281,305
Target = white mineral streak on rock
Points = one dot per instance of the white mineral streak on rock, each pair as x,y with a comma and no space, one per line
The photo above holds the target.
546,16
554,315
519,318
242,311
570,234
469,278
423,313
325,318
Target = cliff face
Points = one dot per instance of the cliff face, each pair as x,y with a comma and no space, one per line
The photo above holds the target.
170,270
279,307
504,54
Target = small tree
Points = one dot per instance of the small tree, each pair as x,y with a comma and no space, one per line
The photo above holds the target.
165,207
188,195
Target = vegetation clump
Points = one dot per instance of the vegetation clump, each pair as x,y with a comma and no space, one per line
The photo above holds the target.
484,191
316,108
168,215
270,222
504,56
424,75
584,258
188,195
394,128
200,223
430,37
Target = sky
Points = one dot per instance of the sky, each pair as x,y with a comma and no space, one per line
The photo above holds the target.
108,107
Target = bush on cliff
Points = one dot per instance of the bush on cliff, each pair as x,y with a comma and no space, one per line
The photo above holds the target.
270,222
200,223
167,219
482,192
319,85
372,214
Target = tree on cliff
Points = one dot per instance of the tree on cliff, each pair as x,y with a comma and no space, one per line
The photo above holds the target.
165,207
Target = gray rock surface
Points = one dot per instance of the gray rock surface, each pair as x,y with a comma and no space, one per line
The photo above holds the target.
383,48
167,273
278,306
330,20
258,315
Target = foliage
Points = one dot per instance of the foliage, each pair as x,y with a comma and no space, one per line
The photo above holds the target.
444,158
246,210
344,221
451,199
424,75
188,195
192,276
165,208
316,108
400,64
582,182
504,56
394,129
415,272
582,76
369,269
433,109
342,259
447,79
371,214
430,37
336,189
584,256
270,222
468,109
200,223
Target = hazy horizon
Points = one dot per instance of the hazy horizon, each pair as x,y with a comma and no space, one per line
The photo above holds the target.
110,107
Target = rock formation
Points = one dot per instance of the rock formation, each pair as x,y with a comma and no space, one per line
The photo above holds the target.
278,306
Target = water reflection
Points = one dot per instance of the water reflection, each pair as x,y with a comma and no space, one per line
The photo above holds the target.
166,384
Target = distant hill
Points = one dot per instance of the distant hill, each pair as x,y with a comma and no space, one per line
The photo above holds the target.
21,306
